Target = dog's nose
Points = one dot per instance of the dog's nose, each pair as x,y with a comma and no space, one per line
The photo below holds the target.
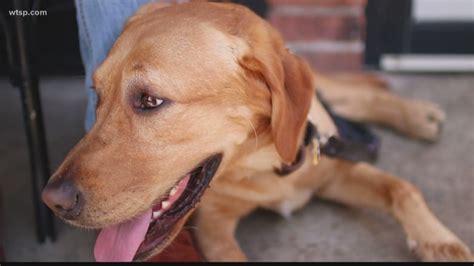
63,198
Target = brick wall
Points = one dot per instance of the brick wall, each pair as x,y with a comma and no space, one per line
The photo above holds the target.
327,33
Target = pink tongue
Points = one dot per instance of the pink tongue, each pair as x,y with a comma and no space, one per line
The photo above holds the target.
119,243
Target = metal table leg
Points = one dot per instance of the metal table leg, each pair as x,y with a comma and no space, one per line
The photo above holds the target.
32,115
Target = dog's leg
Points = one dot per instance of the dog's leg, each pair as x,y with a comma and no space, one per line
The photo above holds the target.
360,184
216,220
369,79
365,102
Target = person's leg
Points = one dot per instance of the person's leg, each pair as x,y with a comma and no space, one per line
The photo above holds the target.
100,23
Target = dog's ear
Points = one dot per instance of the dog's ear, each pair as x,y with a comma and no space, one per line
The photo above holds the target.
290,80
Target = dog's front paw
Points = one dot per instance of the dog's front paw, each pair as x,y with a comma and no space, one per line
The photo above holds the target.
449,251
423,120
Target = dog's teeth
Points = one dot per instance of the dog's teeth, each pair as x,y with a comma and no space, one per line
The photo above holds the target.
156,214
165,204
173,191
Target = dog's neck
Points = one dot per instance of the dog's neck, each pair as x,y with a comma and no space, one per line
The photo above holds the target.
321,119
320,135
265,160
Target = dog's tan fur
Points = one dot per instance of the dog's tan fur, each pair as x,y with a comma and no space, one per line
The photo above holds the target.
236,90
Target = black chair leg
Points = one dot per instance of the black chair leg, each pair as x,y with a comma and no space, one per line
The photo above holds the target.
32,115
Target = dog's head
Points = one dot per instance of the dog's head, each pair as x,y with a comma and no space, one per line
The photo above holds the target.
181,90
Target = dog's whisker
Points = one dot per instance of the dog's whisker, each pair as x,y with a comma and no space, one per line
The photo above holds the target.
254,131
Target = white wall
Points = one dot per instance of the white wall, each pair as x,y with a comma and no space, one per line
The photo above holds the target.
443,10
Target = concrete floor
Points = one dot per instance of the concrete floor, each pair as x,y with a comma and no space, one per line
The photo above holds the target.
322,231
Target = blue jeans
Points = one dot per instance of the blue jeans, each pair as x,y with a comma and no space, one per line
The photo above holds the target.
100,23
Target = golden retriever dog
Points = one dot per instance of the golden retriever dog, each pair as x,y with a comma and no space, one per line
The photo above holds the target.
202,110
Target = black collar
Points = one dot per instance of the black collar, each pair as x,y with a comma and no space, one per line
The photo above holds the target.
357,145
330,146
311,134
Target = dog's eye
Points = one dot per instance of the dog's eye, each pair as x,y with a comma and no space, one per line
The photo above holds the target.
149,102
